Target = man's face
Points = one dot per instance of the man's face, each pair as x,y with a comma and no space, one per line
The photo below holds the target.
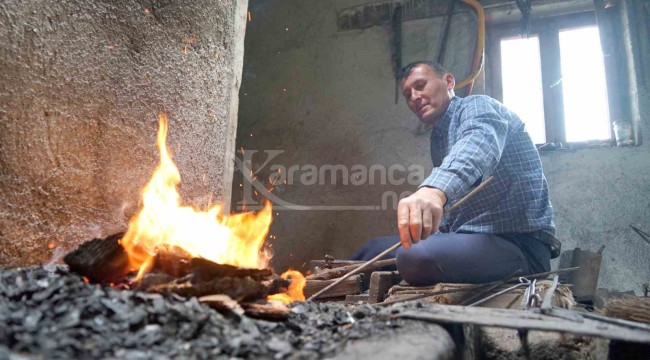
427,94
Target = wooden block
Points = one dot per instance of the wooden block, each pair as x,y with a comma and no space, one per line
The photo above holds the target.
380,283
350,286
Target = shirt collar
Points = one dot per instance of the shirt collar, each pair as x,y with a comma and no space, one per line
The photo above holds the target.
441,129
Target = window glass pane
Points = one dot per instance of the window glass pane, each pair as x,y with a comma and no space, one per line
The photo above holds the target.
521,74
586,111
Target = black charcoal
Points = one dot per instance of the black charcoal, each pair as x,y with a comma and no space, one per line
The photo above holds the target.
57,315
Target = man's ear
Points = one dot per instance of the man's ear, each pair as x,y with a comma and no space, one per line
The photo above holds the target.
449,81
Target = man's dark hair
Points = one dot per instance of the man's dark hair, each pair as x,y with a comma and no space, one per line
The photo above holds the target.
406,70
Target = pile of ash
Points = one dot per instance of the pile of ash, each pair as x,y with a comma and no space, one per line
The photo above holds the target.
56,315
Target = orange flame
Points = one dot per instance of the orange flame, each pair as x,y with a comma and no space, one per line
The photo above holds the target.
162,222
295,292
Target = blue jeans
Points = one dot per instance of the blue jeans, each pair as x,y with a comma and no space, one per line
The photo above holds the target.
463,258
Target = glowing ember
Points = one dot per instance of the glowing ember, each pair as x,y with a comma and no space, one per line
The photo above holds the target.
295,292
162,222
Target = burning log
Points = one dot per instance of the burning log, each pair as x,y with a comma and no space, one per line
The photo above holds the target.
100,260
174,271
207,277
174,261
206,269
238,288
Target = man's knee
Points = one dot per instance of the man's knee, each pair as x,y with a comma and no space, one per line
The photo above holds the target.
419,268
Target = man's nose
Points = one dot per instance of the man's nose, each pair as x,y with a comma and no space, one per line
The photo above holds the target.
415,96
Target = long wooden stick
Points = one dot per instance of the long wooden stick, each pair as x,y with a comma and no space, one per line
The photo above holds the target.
396,246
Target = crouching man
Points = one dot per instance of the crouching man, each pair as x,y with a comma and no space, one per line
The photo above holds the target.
506,226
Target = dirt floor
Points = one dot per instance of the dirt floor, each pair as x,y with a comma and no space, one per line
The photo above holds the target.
504,344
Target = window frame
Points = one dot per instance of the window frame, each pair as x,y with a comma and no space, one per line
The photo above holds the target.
548,30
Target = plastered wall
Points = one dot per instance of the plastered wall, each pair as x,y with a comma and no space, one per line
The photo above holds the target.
81,84
323,98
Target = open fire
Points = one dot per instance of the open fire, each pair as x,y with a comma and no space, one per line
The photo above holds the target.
167,235
163,223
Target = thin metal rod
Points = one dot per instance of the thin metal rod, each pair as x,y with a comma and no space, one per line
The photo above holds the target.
498,294
354,272
547,273
483,292
396,246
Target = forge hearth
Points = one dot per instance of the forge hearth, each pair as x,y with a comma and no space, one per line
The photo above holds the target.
225,287
57,315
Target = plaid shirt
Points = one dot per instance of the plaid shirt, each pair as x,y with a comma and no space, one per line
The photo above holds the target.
478,137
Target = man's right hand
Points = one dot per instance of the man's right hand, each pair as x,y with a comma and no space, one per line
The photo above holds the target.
419,215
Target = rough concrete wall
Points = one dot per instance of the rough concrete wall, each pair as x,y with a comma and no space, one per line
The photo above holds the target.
81,85
327,97
338,108
599,193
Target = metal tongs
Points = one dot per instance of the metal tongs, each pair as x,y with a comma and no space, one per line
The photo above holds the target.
531,298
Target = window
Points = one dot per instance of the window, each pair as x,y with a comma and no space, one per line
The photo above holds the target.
555,79
520,60
584,88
